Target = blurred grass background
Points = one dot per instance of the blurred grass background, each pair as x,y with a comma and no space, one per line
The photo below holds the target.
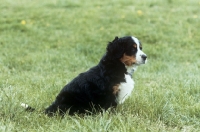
45,44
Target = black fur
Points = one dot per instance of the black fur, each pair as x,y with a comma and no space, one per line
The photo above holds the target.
93,90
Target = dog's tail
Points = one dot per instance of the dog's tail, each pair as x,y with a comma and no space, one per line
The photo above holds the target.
27,107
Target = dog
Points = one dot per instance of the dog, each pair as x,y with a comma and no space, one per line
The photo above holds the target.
105,85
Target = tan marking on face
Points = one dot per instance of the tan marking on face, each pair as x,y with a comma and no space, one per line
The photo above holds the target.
116,89
128,60
135,45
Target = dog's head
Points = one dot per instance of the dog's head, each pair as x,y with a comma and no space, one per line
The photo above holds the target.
128,50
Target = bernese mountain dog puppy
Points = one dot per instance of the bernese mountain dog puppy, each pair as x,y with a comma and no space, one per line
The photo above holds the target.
103,86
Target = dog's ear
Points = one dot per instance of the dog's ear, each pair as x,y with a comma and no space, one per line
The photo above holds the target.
116,38
112,45
115,48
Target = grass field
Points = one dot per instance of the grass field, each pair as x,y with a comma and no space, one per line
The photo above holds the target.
45,44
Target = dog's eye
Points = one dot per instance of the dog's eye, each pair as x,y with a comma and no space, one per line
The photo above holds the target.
134,51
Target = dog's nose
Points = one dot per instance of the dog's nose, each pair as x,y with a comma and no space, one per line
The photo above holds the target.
144,57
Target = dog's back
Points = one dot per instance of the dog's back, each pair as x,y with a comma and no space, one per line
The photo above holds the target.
87,92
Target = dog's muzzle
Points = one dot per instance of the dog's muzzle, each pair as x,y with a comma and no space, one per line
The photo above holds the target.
144,58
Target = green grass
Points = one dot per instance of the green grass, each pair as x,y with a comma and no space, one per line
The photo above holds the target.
45,44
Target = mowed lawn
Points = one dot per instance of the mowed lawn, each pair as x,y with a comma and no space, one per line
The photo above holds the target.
45,44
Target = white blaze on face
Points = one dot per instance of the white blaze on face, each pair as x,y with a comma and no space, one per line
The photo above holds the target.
139,59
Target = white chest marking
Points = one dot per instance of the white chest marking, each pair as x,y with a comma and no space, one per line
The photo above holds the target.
125,89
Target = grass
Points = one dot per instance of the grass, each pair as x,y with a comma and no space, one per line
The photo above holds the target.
45,44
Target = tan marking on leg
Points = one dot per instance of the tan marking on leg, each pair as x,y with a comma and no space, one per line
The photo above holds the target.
116,89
